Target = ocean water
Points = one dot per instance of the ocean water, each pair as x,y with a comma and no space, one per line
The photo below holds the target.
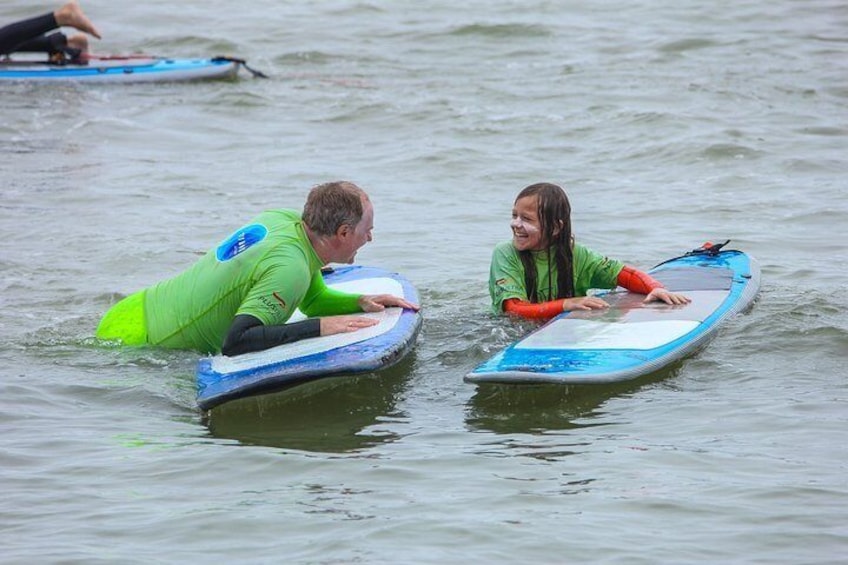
669,123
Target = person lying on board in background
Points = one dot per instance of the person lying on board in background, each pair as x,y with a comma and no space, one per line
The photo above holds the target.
238,297
31,35
543,272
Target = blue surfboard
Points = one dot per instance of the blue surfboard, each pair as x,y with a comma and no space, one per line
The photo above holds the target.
632,339
132,69
221,378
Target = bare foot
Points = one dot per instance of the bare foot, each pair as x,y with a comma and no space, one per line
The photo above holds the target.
71,15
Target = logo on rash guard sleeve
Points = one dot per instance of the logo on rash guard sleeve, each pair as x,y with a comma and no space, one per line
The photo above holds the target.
276,308
241,241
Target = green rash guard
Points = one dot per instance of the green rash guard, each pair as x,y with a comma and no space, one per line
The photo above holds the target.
265,269
506,275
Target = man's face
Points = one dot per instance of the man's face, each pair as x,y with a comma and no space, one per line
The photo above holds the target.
358,235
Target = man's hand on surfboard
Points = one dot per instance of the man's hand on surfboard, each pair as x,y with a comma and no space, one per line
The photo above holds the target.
331,325
378,302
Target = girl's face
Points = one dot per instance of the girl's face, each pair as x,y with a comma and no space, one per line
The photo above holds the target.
526,229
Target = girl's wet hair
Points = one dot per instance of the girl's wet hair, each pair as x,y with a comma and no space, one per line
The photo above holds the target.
554,212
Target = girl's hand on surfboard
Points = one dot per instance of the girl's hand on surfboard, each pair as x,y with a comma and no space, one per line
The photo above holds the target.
378,302
583,303
662,295
331,325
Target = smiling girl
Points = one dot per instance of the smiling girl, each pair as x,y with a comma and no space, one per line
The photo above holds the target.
543,272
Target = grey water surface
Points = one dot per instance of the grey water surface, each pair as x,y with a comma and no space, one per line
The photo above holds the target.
669,123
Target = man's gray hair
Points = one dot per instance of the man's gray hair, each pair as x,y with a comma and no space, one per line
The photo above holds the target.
333,204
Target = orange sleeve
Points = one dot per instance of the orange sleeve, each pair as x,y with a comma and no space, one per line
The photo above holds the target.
635,280
531,311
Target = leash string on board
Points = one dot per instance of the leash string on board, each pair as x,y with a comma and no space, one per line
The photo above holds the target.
708,248
243,63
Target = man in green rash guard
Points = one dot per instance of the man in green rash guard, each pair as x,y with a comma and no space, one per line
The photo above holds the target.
238,297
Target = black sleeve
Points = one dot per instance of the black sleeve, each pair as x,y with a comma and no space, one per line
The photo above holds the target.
248,333
53,43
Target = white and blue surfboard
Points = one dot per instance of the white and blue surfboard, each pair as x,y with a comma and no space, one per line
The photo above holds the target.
632,339
221,378
131,69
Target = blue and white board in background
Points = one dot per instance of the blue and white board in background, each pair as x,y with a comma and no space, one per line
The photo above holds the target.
631,339
221,378
131,69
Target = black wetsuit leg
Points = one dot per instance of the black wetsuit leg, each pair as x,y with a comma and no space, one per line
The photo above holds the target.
53,43
18,34
248,333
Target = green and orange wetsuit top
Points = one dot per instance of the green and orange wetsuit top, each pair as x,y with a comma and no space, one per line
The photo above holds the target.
591,271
